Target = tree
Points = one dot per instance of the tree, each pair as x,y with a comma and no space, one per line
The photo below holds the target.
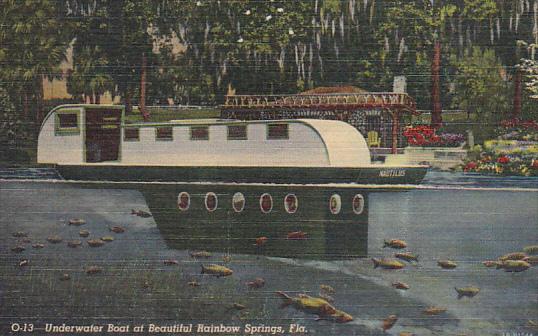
33,42
480,88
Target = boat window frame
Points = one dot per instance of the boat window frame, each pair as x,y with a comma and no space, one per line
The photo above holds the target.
359,210
261,203
188,201
61,131
242,137
192,138
287,206
285,136
211,194
159,138
239,194
131,128
338,207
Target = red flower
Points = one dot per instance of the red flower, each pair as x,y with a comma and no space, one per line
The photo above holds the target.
470,166
503,159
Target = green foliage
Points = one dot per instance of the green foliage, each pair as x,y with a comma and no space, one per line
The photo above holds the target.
480,88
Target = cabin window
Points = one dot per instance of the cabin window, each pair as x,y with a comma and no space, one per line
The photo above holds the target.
358,204
291,203
183,201
335,204
277,131
237,132
211,201
200,133
238,202
266,203
163,133
131,134
67,123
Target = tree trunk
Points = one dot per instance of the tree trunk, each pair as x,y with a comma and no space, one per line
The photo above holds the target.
516,111
128,105
142,103
39,102
436,119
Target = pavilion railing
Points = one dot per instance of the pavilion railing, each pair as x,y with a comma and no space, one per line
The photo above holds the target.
383,100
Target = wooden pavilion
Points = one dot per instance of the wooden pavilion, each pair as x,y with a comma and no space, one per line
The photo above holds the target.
377,115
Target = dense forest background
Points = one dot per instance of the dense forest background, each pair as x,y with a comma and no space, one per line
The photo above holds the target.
473,55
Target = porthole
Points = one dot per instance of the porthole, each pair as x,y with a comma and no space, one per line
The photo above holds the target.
183,201
238,202
211,201
358,204
266,203
291,203
335,204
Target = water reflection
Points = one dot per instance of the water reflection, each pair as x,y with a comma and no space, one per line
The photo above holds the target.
301,221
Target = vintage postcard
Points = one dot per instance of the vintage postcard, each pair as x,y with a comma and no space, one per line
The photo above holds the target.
266,167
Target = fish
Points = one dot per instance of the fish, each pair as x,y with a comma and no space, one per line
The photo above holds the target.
239,306
395,243
533,260
84,233
514,265
532,249
38,246
54,239
389,322
338,316
24,262
490,263
447,264
260,241
407,256
434,310
94,270
406,333
256,283
193,283
513,256
308,304
297,235
26,240
107,238
20,234
400,285
327,289
200,254
116,229
18,249
76,221
387,263
171,262
74,243
326,297
141,213
470,291
216,270
95,242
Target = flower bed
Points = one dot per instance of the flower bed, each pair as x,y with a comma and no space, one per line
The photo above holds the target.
514,152
424,136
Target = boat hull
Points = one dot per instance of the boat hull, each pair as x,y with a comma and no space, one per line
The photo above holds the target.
295,175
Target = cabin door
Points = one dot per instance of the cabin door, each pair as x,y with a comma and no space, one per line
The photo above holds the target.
102,135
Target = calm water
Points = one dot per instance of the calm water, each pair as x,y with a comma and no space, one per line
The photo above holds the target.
464,218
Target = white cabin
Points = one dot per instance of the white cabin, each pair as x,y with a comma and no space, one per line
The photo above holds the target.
98,135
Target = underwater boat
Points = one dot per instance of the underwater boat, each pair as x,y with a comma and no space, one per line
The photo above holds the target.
94,142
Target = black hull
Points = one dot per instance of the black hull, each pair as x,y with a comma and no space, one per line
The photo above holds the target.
279,175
